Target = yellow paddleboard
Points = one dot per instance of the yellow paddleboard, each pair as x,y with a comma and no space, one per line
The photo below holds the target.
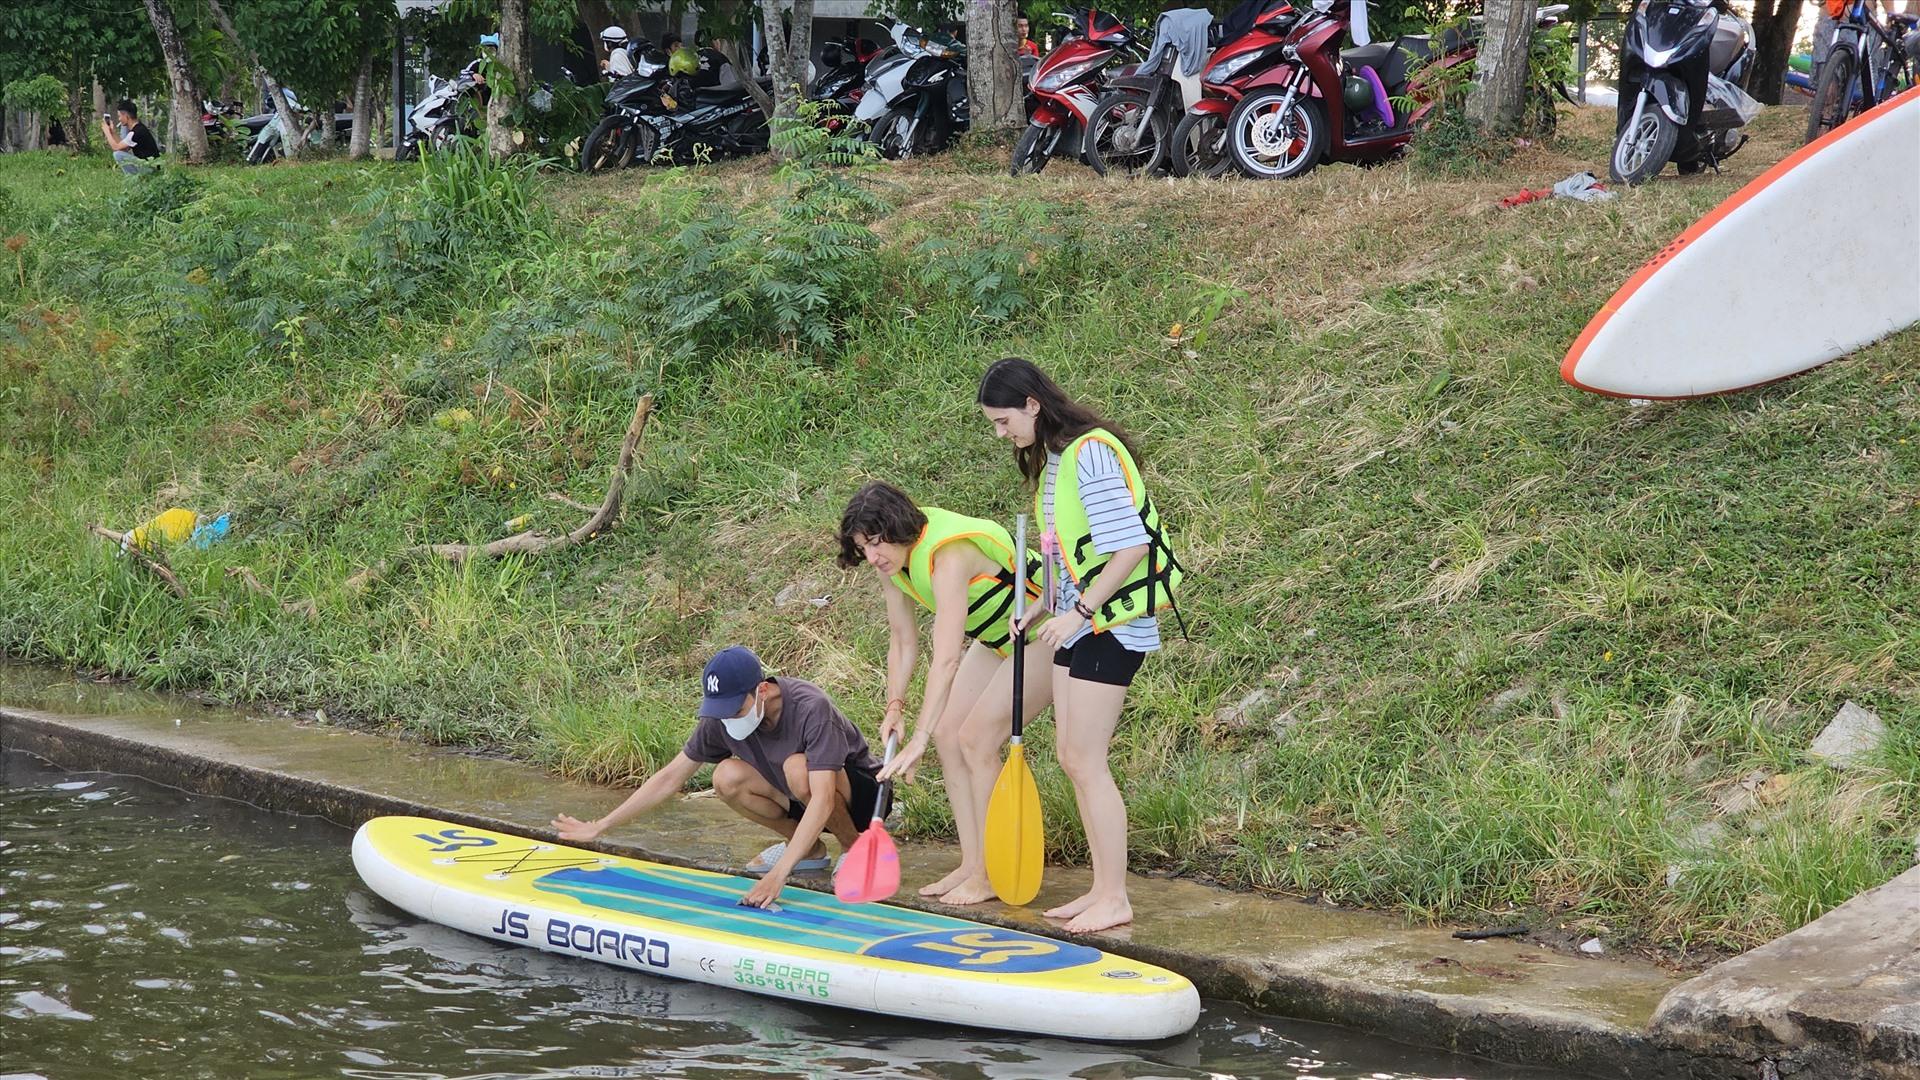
689,924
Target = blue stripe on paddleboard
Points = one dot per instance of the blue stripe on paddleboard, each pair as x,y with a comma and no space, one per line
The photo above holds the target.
951,944
626,890
751,923
896,917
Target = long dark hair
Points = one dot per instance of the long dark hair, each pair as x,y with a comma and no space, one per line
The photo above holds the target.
1008,384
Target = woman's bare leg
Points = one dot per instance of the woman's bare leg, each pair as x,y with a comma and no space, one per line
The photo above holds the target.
1085,714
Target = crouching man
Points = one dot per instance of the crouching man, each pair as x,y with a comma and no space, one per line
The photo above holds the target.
784,758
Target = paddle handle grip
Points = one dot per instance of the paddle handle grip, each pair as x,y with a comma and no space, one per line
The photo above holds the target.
1019,636
880,796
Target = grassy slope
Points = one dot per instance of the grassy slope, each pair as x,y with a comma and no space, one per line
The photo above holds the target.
1515,639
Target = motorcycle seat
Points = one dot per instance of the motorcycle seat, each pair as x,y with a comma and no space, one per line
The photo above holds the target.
1372,56
713,95
1389,59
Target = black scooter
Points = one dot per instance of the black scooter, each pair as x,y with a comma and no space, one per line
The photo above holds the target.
842,78
652,113
915,98
1684,73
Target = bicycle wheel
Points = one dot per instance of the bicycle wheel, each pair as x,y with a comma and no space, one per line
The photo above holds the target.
1833,95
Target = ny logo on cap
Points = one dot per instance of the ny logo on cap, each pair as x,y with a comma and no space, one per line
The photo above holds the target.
713,684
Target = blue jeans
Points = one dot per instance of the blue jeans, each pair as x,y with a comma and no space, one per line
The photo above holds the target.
131,165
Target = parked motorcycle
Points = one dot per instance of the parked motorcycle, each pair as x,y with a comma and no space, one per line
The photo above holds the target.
1685,68
842,78
1065,85
268,144
915,98
450,110
1325,103
657,111
1131,126
1199,145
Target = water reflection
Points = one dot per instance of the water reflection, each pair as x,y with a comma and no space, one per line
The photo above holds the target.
148,933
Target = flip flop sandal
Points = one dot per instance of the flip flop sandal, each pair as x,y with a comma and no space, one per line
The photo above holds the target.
765,861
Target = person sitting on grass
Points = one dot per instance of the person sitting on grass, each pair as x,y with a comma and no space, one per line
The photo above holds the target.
785,758
137,147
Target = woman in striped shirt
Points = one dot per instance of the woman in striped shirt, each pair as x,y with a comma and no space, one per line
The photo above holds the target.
1112,571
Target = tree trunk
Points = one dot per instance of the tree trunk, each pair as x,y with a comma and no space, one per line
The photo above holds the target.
99,99
787,54
513,61
361,142
597,15
1773,31
185,100
993,67
1499,94
290,141
730,49
79,129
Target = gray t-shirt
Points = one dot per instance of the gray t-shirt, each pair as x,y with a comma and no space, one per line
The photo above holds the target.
809,724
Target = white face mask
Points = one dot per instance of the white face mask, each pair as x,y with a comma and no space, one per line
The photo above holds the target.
739,727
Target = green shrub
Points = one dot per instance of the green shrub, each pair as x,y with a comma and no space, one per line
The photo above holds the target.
792,272
155,197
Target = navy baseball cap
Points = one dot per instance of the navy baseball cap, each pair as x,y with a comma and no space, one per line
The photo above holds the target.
730,676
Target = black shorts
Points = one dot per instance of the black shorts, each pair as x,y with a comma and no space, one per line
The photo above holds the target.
1099,658
864,787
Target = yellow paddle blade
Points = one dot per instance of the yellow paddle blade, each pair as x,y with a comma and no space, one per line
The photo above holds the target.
1016,845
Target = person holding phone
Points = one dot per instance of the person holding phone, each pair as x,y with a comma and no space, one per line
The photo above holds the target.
133,145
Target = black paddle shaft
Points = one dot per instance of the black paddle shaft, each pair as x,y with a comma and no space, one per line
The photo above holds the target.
1019,637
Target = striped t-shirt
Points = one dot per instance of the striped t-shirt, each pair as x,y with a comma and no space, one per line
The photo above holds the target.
1115,525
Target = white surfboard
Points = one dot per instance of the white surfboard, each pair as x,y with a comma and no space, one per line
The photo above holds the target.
1817,257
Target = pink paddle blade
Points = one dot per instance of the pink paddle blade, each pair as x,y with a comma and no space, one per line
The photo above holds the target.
871,870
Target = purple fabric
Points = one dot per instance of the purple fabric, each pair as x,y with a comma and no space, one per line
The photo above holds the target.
1381,106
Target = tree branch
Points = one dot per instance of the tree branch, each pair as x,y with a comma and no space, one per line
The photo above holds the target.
154,565
534,543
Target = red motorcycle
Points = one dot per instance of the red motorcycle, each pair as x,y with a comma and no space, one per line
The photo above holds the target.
1065,85
1326,103
1199,139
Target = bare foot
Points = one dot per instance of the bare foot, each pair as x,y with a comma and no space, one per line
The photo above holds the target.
1071,908
946,884
974,890
1103,914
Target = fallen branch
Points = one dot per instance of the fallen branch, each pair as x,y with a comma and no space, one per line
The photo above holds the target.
573,503
535,543
153,564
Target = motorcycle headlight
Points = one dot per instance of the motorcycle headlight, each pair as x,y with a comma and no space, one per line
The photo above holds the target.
1220,73
1061,76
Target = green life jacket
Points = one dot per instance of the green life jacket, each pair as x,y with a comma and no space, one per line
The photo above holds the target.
1150,588
989,596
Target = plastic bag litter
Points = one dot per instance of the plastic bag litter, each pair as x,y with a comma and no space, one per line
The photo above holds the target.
1583,186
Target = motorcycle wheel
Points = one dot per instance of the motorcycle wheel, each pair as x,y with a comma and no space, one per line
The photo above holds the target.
1640,152
409,150
889,134
1833,98
1114,141
1035,148
1265,145
608,147
1200,146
